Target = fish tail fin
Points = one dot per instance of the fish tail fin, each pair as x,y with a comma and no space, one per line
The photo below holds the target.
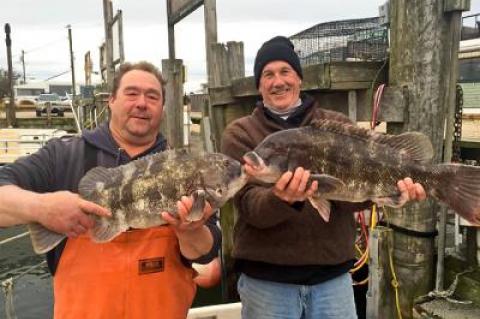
459,187
43,240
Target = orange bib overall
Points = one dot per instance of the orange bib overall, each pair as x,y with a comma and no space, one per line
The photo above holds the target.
137,275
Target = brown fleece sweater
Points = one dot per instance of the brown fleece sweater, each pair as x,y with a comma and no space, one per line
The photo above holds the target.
271,231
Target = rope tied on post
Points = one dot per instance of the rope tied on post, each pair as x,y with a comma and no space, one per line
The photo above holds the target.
7,287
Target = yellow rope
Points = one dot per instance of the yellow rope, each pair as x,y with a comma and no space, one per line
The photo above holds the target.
373,217
394,282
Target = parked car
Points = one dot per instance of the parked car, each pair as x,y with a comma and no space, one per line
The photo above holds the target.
50,99
67,101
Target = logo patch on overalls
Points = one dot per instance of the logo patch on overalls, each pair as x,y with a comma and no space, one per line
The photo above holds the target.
151,265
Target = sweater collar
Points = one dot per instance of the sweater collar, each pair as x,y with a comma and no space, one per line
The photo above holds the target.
295,118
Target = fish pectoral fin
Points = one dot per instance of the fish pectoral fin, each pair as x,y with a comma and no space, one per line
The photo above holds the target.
326,183
196,213
322,206
105,231
395,201
43,239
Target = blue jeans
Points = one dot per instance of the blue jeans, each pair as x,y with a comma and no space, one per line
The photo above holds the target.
332,299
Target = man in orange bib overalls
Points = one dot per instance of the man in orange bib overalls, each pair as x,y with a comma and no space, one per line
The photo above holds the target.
142,273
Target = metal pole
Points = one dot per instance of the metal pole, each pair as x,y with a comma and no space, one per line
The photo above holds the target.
107,17
23,65
120,36
72,64
11,107
210,13
88,68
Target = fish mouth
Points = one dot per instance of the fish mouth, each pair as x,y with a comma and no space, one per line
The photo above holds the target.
254,160
261,171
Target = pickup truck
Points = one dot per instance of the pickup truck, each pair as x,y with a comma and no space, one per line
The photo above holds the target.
51,100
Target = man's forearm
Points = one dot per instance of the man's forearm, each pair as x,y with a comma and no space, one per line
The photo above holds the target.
17,206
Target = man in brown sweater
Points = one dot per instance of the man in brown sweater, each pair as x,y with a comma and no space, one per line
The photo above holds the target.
292,263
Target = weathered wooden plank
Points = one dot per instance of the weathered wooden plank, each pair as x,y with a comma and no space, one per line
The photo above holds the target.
356,72
221,95
347,86
67,124
227,220
218,77
456,5
210,14
328,76
172,126
379,302
420,62
316,76
352,105
224,108
244,87
236,68
392,105
179,9
235,59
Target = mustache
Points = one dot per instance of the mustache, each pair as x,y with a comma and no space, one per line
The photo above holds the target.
141,115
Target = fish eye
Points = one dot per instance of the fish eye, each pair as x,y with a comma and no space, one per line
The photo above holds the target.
219,191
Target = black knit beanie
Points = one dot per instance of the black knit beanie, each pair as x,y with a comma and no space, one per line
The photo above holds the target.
277,48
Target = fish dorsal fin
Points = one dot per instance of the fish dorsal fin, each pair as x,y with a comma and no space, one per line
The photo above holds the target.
413,145
89,183
342,128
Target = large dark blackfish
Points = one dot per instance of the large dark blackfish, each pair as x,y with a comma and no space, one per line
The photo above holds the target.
136,193
353,164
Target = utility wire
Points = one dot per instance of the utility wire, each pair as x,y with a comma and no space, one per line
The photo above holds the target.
57,75
62,39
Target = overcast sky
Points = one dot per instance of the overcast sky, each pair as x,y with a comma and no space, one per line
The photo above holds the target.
39,28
